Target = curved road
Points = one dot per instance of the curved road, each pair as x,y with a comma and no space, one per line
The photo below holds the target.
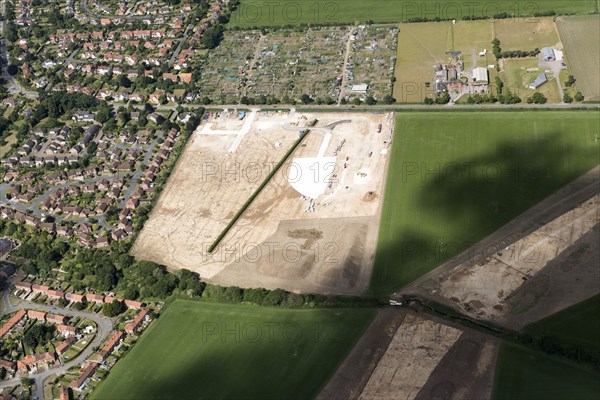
34,205
104,324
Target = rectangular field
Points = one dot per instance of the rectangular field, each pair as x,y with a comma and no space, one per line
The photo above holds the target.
218,351
522,374
455,177
288,63
416,58
580,36
423,45
417,347
258,13
526,33
313,227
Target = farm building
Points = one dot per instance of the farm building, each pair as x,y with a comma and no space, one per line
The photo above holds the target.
480,75
360,89
548,54
539,81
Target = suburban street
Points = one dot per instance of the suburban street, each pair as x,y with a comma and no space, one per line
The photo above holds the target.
33,207
104,325
91,14
12,85
181,42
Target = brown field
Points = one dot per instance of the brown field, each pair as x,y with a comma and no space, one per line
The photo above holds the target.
548,261
284,239
570,278
482,289
413,354
417,54
582,51
351,377
396,350
526,33
471,38
466,372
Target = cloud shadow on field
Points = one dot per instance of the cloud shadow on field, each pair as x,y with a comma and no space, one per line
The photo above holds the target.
220,351
465,200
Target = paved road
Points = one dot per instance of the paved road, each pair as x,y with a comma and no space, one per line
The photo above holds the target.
181,42
160,134
34,206
377,108
105,326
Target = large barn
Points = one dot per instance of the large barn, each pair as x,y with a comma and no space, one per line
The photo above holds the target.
548,54
480,75
539,81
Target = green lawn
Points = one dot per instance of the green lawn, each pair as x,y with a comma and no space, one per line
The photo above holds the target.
217,351
527,375
455,177
579,324
252,13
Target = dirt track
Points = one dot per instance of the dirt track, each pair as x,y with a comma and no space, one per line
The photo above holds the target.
313,228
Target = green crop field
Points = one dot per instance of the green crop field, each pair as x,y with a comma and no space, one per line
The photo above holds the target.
578,324
522,374
580,35
455,177
217,351
260,13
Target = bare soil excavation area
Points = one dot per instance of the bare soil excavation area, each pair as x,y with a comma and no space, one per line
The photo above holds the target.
408,355
481,289
313,227
411,357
